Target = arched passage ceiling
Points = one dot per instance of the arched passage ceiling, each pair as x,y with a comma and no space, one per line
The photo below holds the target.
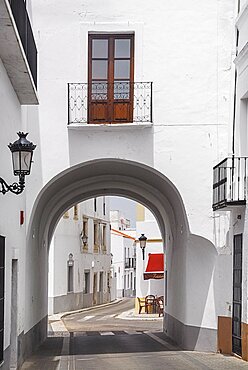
108,177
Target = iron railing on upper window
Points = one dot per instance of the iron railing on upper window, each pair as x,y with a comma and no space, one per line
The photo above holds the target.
24,28
102,102
230,182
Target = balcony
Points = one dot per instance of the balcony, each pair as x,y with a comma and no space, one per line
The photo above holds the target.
105,103
230,183
130,263
18,49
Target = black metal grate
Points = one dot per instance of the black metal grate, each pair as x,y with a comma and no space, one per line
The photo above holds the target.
230,182
138,94
23,25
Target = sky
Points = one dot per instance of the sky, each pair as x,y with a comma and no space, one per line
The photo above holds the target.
127,208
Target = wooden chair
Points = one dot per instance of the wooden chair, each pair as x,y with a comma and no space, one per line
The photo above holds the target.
141,304
150,303
160,305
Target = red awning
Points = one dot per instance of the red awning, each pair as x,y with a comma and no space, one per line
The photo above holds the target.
155,266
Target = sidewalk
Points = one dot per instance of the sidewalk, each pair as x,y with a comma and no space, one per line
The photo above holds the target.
132,315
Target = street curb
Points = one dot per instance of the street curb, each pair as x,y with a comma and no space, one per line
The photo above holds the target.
127,315
65,314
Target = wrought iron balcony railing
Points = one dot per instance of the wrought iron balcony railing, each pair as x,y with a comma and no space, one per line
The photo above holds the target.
230,182
102,102
24,28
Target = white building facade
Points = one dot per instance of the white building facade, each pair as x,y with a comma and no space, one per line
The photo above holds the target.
229,203
134,101
79,258
123,249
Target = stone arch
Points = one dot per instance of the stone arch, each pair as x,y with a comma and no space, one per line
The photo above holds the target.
145,185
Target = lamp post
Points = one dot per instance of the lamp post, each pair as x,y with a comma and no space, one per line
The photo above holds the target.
142,240
22,153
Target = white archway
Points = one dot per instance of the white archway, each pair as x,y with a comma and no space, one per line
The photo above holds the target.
151,188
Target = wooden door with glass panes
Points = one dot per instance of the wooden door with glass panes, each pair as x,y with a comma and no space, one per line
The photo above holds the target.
110,78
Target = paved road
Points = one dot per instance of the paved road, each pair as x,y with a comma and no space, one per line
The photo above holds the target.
126,345
107,319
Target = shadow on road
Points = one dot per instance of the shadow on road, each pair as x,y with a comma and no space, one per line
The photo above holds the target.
94,343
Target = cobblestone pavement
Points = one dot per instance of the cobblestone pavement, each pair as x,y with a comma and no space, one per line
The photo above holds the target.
108,339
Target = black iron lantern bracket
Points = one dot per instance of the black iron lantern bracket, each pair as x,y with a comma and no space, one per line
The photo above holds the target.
16,188
22,153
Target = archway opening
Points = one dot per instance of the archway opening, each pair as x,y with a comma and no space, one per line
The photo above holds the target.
184,250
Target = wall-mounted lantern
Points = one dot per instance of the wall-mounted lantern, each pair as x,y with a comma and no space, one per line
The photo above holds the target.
142,240
22,154
84,238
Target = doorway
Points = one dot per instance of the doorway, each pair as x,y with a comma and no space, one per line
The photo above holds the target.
95,289
237,295
2,266
111,70
13,334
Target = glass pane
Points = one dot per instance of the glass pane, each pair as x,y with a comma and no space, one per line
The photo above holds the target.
122,48
99,48
99,69
25,161
121,90
122,69
16,161
99,90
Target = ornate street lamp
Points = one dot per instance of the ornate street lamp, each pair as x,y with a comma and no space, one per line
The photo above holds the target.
143,240
22,153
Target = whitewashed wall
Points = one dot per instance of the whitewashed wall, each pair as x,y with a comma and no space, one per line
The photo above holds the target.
186,49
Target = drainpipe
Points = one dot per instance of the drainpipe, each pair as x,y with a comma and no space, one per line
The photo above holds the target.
234,104
235,89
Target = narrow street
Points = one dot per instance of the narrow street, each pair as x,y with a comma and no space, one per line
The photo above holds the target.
111,338
115,318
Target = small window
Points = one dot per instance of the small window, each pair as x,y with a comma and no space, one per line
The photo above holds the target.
104,206
66,214
104,242
95,205
86,282
101,282
96,237
75,217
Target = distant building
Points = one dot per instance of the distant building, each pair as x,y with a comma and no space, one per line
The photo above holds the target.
123,249
79,258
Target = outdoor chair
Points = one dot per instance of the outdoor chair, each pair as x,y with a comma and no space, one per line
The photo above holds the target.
160,305
150,303
141,304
